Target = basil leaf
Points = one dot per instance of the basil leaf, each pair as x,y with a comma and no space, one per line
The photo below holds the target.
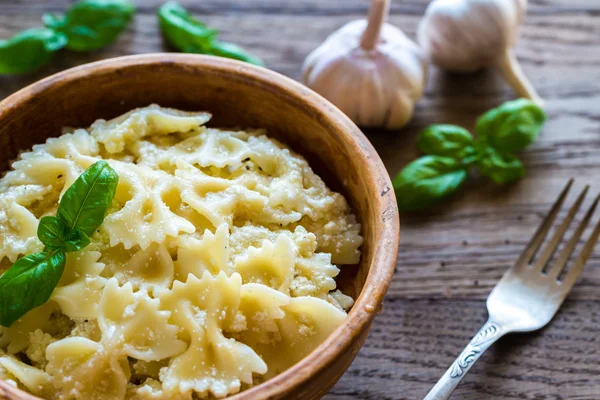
427,180
230,50
52,232
501,167
76,240
189,35
446,140
183,31
85,203
511,126
29,50
29,283
92,24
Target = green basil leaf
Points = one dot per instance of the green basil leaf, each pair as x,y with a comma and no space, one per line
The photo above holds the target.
183,31
76,240
189,35
52,232
230,50
29,50
86,201
29,283
92,24
427,180
511,126
501,167
447,141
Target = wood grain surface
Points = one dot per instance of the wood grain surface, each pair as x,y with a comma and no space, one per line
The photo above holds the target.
450,256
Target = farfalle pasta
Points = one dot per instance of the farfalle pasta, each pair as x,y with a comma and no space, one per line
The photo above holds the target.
213,270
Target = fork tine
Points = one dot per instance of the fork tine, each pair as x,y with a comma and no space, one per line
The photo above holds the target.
539,236
551,247
588,248
560,263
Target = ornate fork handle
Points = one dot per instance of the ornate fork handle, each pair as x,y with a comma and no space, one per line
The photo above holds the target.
487,335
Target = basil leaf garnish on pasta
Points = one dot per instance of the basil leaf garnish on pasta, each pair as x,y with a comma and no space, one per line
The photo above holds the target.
29,282
76,240
85,203
52,232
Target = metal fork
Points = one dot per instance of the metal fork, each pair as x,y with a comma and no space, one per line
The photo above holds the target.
530,293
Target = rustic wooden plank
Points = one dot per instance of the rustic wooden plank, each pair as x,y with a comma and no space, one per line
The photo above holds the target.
453,96
413,342
309,7
452,255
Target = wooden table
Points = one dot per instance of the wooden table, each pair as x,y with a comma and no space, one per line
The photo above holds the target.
450,256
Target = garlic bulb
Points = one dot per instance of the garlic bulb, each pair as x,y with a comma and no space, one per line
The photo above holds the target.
466,35
370,70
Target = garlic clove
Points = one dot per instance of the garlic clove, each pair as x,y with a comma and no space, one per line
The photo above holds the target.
370,70
467,35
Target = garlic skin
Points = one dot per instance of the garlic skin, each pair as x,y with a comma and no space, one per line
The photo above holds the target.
370,70
467,35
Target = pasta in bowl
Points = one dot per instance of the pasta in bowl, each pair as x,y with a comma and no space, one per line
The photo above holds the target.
213,269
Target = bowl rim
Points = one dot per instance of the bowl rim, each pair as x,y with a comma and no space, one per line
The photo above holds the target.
381,270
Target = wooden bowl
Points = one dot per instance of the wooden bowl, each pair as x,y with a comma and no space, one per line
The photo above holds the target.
237,94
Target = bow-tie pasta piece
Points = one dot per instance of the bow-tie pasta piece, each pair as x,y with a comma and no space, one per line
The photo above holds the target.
212,363
307,323
133,322
142,122
281,175
271,158
271,265
35,380
144,217
58,162
223,202
149,269
80,287
16,338
217,207
76,146
209,149
207,254
18,225
83,369
261,306
204,200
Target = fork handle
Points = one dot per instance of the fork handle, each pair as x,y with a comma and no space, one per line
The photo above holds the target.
487,335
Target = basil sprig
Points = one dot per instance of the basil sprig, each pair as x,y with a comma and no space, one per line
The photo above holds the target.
452,151
88,25
92,24
189,35
29,282
29,50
